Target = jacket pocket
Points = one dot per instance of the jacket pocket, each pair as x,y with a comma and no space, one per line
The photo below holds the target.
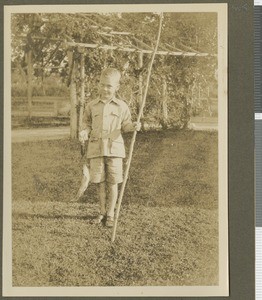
96,120
115,114
117,148
114,120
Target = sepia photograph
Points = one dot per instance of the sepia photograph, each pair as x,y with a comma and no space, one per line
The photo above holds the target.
115,157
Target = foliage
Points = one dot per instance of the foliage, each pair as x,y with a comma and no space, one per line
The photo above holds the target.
49,86
180,30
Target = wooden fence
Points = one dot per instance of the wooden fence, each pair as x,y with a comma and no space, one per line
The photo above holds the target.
41,107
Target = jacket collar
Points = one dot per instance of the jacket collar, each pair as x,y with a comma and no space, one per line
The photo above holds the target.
114,99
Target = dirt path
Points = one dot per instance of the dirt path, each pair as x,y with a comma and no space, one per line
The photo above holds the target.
55,133
203,123
39,134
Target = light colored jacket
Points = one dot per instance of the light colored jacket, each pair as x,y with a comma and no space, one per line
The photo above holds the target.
105,123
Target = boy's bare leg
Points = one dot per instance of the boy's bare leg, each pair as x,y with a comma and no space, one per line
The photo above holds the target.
102,197
112,198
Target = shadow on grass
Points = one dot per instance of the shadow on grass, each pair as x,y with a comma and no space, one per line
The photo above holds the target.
52,217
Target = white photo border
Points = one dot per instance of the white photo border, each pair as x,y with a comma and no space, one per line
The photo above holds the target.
223,288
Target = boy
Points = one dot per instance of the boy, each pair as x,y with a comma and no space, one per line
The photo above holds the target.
103,121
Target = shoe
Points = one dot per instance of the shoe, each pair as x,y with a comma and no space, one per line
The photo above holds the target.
110,222
99,219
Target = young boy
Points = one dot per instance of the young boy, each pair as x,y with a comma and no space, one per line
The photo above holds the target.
104,120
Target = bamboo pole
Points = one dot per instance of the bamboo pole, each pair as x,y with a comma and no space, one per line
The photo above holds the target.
135,132
82,93
164,102
130,49
140,84
120,48
29,82
140,66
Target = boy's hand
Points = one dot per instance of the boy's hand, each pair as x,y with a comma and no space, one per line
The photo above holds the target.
137,126
83,136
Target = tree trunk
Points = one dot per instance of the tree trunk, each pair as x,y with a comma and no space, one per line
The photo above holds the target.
22,72
29,83
43,77
73,97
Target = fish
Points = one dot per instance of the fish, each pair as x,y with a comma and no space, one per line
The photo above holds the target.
84,183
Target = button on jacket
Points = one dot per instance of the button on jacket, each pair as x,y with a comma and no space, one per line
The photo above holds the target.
105,122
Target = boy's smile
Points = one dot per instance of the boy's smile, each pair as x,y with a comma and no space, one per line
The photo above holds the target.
108,86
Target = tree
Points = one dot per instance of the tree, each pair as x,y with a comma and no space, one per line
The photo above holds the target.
182,31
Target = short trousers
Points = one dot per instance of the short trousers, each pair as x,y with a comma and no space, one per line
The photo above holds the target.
109,169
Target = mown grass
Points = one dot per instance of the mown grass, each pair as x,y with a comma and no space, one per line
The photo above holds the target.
168,228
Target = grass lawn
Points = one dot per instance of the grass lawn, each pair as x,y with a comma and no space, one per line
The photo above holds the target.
168,228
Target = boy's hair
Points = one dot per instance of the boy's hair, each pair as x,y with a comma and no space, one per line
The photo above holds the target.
111,72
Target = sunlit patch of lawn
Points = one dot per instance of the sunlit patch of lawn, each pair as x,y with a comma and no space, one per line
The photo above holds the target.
168,227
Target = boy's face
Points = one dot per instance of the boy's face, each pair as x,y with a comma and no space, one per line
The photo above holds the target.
108,86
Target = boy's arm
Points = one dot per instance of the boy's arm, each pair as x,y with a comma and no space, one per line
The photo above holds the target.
127,124
86,125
